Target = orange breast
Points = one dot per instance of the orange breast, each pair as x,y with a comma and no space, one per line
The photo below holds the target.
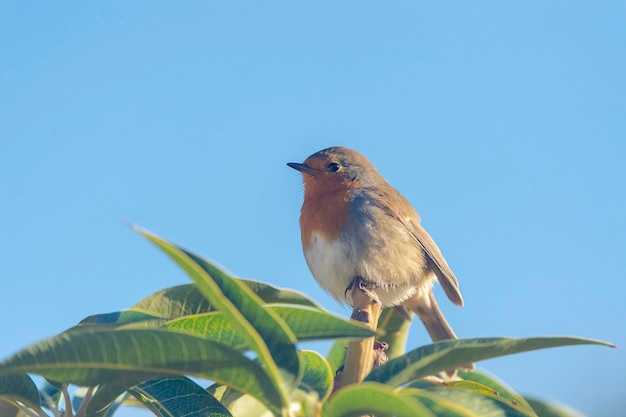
324,212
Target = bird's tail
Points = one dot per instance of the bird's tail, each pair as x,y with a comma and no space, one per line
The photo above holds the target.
427,309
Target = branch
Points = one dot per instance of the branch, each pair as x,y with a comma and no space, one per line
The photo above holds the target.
361,355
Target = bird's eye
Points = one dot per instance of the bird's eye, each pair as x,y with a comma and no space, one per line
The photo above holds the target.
333,167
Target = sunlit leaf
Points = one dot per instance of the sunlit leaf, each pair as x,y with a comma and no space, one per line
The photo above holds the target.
185,300
450,354
174,302
395,329
473,396
224,394
305,322
94,355
265,332
494,383
275,295
337,354
118,318
462,403
370,397
317,375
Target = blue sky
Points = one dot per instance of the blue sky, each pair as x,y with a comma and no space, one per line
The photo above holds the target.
504,123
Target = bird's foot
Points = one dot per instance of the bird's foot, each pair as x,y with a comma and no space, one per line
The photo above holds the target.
358,282
363,294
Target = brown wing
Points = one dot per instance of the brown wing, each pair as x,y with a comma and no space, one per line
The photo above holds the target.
407,215
446,277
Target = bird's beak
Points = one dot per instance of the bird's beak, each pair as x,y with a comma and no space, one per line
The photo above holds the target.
305,169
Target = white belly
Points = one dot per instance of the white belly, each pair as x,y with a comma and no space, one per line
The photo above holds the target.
329,264
334,267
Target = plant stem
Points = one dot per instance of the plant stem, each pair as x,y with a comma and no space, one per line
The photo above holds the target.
360,354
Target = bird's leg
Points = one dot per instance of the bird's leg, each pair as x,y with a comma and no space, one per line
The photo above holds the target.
361,355
358,282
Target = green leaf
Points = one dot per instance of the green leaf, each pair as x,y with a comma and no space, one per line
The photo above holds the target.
473,396
552,409
277,345
462,402
19,387
494,383
317,375
94,355
178,397
225,395
473,386
118,318
109,396
265,332
214,326
337,354
274,295
450,354
396,331
305,322
370,397
441,407
314,324
174,302
186,300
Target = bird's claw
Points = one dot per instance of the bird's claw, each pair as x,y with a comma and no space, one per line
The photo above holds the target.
364,286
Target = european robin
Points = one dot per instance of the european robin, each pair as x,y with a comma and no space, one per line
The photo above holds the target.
354,225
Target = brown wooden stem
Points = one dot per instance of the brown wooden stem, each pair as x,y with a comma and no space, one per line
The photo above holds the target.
360,354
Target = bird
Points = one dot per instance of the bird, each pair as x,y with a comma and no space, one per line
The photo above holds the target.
355,225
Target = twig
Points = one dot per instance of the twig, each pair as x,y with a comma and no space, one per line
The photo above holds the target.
360,354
